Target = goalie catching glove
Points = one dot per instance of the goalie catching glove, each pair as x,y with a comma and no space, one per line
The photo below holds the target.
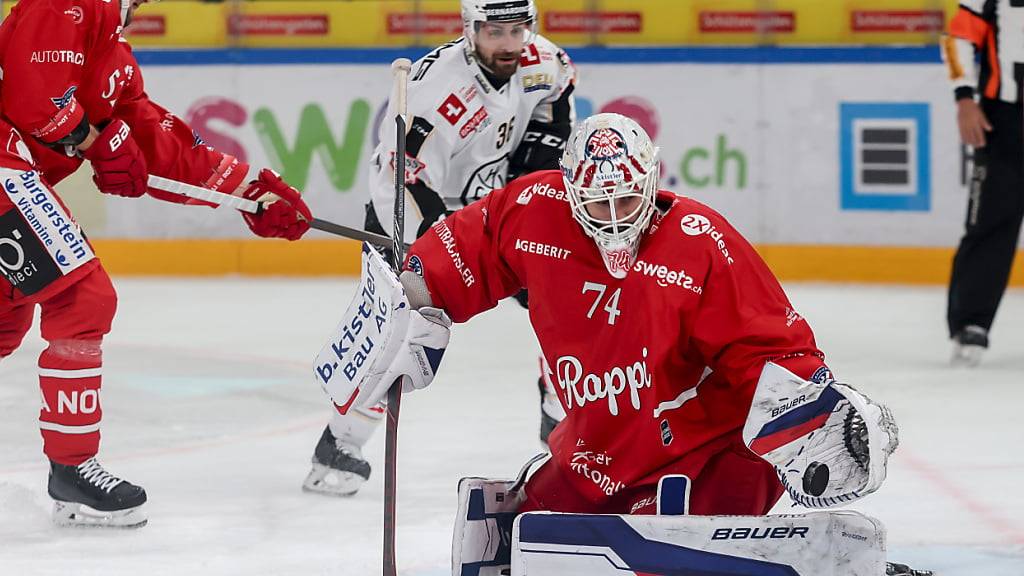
389,331
828,442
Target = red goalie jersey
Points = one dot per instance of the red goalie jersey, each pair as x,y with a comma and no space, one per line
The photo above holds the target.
656,371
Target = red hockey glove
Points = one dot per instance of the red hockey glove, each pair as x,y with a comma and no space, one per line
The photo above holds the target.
284,217
119,168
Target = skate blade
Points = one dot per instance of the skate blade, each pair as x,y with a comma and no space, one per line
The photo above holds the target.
324,480
73,514
967,356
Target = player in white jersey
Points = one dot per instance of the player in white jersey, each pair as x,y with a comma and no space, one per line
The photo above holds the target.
482,110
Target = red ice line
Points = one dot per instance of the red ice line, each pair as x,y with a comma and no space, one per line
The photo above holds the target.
986,515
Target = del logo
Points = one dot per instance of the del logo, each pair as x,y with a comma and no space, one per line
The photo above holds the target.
539,81
452,109
696,225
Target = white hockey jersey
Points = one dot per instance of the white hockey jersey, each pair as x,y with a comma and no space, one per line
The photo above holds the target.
463,131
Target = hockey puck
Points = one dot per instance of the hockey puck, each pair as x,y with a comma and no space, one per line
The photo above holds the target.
816,479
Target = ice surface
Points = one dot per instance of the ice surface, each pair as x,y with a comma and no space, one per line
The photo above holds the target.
210,404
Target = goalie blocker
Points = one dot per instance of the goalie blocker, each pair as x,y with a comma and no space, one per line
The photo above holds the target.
388,332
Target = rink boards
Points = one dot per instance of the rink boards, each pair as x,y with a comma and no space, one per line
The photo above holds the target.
839,163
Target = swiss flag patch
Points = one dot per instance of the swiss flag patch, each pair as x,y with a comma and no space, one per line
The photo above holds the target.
452,109
530,56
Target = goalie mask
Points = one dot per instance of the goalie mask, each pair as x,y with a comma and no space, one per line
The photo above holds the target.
610,169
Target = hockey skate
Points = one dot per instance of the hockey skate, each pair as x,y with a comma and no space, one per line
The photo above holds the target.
87,495
968,346
892,569
338,467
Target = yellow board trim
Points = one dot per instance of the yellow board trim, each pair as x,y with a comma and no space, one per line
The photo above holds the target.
792,263
195,23
221,257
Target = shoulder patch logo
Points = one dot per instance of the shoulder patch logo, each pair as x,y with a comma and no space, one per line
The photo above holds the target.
822,376
61,101
530,57
698,225
695,224
416,265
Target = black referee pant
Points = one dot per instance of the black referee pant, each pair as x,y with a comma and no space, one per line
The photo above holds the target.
981,267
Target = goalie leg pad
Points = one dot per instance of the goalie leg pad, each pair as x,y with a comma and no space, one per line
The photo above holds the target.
815,544
481,544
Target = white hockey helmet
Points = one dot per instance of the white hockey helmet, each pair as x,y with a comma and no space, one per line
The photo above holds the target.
475,12
611,169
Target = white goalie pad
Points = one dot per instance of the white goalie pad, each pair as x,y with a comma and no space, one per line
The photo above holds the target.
481,544
357,347
829,443
815,544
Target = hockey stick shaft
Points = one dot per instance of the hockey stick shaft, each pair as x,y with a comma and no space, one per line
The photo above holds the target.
253,207
200,193
400,68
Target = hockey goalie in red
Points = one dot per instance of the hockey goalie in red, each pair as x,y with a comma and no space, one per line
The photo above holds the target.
72,92
672,345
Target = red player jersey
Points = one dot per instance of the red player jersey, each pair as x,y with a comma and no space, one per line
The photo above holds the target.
649,368
63,60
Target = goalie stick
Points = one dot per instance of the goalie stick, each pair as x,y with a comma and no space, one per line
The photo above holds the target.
253,207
